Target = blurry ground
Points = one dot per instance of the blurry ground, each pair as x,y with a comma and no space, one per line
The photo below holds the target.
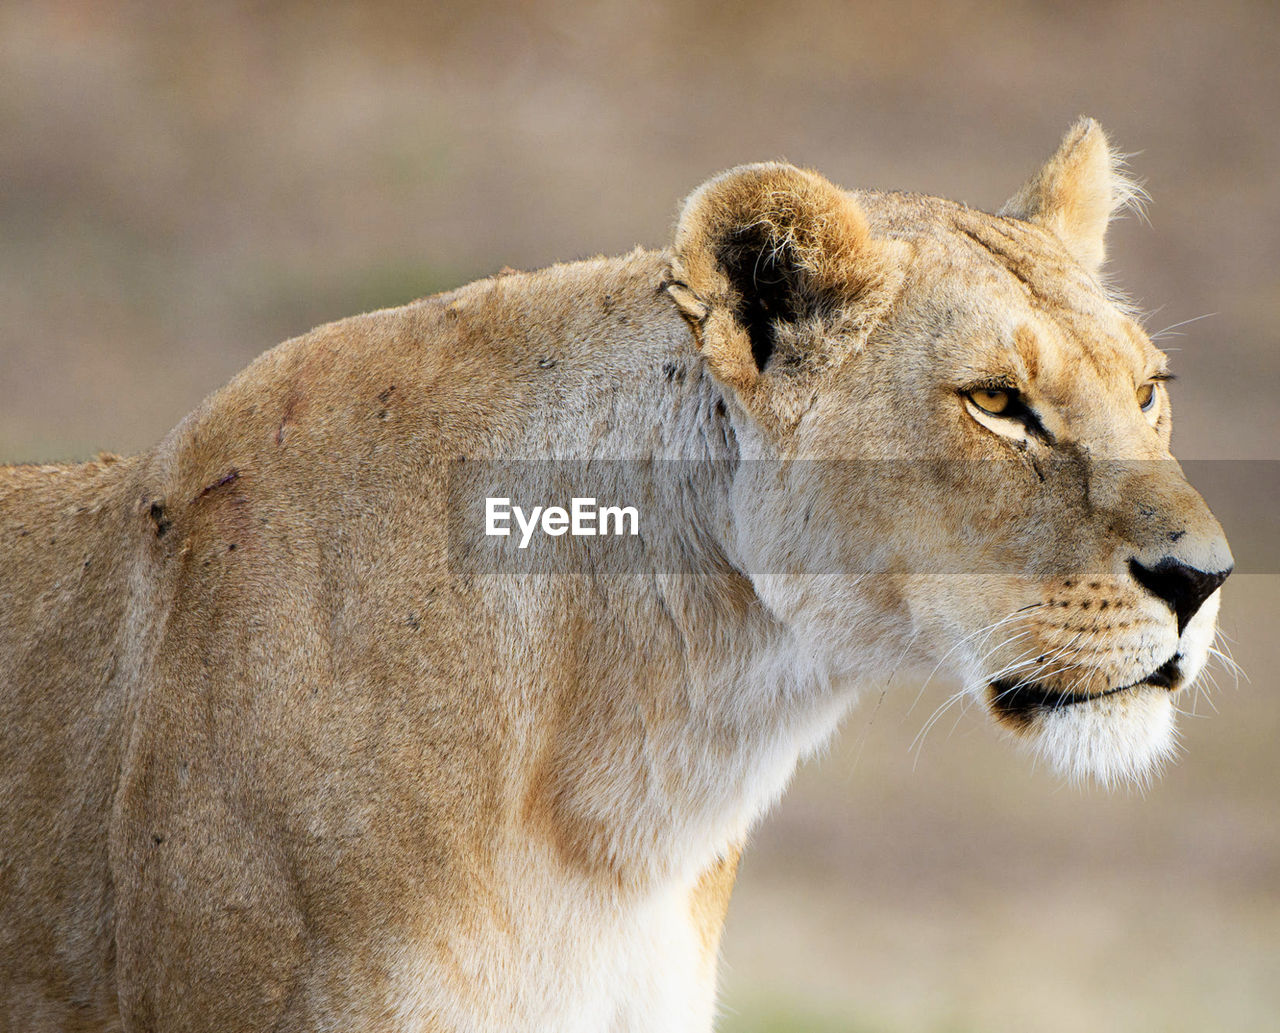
183,185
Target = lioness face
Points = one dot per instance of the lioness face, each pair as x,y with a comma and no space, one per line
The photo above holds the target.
991,488
1046,546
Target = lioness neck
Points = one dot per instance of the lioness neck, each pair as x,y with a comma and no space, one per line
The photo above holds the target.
666,708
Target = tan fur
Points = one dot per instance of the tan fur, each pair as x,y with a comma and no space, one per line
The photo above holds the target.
275,757
709,902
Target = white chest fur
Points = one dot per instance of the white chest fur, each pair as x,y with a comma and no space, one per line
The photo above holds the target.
566,962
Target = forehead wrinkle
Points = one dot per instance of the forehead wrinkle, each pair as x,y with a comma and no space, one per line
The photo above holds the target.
1026,345
1048,279
1015,357
1065,362
1068,361
1111,353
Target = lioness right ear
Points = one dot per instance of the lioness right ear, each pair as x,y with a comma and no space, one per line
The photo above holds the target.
762,252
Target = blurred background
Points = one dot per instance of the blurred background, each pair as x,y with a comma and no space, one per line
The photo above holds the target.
183,185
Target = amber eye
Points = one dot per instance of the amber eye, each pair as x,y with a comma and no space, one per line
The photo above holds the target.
991,400
1147,396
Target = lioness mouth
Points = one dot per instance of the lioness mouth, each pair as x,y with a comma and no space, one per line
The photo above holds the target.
1019,701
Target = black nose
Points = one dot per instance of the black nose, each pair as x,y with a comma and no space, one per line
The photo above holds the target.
1184,588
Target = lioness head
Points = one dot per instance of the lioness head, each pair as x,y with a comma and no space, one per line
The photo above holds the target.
965,440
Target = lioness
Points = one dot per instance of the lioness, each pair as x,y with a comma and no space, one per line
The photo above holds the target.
280,753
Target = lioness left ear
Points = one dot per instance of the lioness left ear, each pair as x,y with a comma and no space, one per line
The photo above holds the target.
762,252
1077,193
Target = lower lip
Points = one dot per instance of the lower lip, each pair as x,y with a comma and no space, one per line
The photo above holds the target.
1020,702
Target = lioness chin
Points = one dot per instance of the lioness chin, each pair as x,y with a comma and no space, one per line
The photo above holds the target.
279,753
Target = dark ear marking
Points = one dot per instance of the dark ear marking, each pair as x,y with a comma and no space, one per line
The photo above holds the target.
771,285
761,274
